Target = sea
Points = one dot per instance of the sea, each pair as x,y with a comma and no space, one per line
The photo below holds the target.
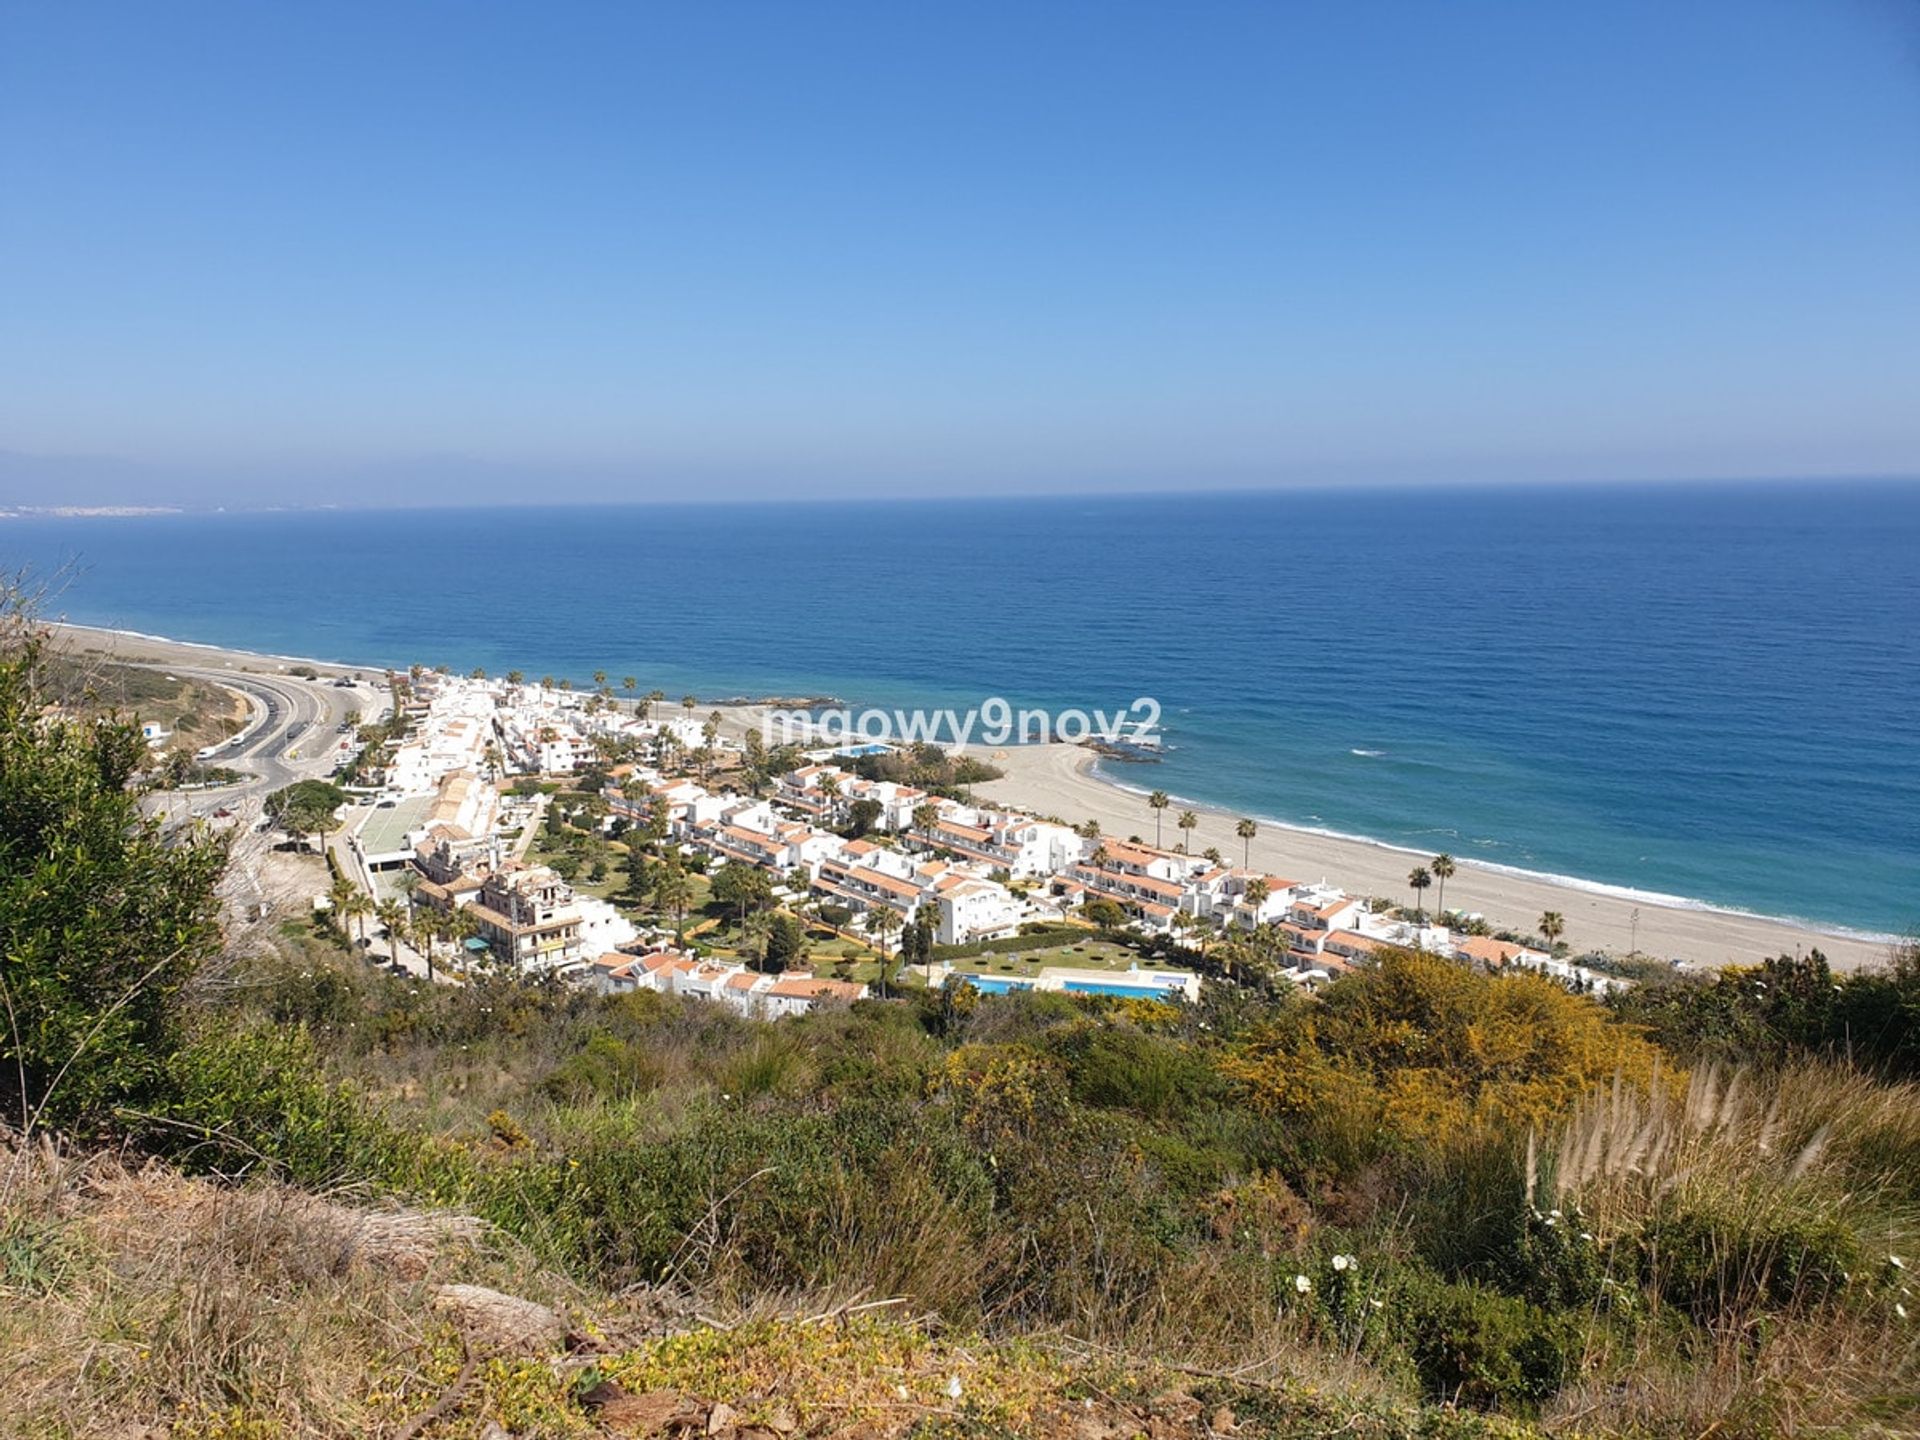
1706,693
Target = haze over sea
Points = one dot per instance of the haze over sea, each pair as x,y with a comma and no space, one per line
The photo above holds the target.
1708,692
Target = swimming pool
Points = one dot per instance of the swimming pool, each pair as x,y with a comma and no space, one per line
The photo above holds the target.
995,984
1125,992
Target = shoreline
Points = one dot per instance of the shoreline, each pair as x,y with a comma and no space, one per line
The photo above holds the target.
1064,780
138,645
1626,894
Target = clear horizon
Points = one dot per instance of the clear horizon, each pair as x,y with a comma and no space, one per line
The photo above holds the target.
160,508
265,258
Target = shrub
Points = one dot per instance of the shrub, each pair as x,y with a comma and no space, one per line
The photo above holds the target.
1714,1263
102,921
1434,1050
246,1097
1130,1069
1479,1348
604,1065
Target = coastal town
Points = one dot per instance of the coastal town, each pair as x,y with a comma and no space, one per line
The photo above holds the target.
629,842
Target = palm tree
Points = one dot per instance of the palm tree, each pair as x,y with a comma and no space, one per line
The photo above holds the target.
600,679
923,922
829,788
1206,929
1099,858
673,892
392,916
926,816
1553,925
340,899
1158,801
461,927
358,908
429,927
754,930
1188,821
881,923
629,684
1257,893
1246,830
1442,868
516,677
1419,880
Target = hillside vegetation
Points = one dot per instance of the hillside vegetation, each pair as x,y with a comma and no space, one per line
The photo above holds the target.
283,1194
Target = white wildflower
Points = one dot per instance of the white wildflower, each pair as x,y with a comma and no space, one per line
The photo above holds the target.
1302,1284
953,1387
1341,1262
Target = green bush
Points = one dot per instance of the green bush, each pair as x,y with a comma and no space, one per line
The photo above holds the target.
1123,1068
103,921
242,1098
605,1065
1717,1262
1473,1346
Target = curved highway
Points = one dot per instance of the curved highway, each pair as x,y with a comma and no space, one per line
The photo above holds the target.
293,733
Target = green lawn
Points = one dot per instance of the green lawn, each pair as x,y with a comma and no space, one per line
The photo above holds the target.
1088,954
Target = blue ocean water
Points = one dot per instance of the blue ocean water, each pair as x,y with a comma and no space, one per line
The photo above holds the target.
1709,692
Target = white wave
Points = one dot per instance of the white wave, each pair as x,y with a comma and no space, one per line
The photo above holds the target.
1367,754
1550,877
215,649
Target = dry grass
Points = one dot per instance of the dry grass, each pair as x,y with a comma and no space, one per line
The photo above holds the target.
140,1303
1821,1374
1794,1191
1821,1138
138,1300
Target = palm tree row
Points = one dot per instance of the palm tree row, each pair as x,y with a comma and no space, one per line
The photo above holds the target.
1189,821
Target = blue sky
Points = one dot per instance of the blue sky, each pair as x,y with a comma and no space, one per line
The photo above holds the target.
615,250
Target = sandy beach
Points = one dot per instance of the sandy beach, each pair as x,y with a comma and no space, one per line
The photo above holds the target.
155,650
1060,780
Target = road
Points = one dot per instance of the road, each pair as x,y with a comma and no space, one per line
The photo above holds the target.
292,735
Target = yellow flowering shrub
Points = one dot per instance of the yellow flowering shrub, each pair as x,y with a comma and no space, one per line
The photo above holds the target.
1426,1049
